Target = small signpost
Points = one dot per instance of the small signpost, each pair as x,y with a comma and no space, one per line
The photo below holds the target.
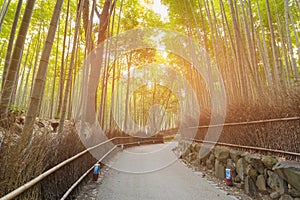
229,177
96,172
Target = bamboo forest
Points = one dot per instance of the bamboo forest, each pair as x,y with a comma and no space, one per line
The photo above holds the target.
77,68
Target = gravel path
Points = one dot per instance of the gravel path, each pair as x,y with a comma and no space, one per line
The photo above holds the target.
169,179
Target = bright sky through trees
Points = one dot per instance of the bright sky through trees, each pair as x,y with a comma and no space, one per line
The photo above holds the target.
158,8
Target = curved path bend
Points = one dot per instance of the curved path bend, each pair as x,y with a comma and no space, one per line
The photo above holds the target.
170,180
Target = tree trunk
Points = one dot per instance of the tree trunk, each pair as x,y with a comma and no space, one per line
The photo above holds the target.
11,41
296,35
94,74
12,78
112,107
39,83
274,51
18,101
37,52
72,61
62,66
239,53
289,42
264,53
129,59
3,12
54,76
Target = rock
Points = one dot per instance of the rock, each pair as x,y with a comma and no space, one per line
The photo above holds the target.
261,183
265,197
250,187
219,170
234,174
203,163
256,162
235,155
209,164
212,157
266,172
269,161
277,183
274,195
289,171
286,197
240,185
250,171
241,168
230,164
237,179
205,151
293,192
221,153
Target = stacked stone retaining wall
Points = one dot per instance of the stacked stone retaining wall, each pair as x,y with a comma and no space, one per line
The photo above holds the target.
261,176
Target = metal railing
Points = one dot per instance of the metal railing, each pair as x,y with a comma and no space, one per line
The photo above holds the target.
244,147
39,178
235,123
262,149
85,174
246,123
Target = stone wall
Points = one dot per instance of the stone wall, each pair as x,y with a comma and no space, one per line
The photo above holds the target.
259,175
